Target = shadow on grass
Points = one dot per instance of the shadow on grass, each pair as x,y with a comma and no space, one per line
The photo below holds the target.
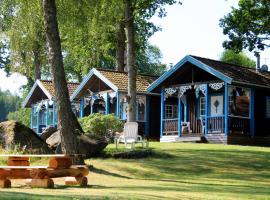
104,172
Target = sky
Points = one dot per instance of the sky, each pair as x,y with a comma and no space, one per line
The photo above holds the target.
190,28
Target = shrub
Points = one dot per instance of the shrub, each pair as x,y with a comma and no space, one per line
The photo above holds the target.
101,127
22,115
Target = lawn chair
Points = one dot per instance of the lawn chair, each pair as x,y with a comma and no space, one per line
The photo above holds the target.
129,135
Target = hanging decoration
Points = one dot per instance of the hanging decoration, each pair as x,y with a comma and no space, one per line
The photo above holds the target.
183,89
202,88
216,86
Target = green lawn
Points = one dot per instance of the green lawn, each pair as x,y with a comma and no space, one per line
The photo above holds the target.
177,171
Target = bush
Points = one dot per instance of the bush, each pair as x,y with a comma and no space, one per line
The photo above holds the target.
22,115
101,127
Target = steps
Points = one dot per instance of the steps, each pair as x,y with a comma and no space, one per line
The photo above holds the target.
218,138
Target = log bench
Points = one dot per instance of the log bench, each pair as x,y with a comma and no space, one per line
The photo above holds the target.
18,167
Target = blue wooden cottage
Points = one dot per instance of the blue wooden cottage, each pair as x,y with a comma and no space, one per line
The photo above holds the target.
104,91
216,100
42,101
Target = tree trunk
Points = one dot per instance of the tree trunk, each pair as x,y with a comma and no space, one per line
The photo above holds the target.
120,51
37,65
68,125
129,23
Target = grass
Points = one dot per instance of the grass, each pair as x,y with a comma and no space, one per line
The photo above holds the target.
174,171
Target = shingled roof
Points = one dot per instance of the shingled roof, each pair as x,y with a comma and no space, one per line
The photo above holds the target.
48,85
238,73
115,80
229,73
42,90
120,80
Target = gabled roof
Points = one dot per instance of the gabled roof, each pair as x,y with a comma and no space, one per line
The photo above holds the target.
117,81
44,90
226,72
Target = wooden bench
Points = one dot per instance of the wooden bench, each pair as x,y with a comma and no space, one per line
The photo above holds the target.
60,165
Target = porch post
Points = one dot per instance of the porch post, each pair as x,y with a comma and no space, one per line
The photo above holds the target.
206,109
147,108
32,116
117,104
107,101
82,107
54,114
47,114
38,119
251,113
185,111
226,110
161,112
179,117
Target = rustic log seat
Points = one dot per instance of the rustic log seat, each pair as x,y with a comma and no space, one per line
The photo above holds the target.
18,167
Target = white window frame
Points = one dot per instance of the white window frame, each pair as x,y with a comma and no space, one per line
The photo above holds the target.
201,108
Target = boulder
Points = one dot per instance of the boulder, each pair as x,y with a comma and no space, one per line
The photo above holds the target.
54,140
47,133
87,146
13,133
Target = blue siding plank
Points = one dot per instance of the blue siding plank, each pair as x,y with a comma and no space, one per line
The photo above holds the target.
179,117
206,109
226,110
161,113
252,112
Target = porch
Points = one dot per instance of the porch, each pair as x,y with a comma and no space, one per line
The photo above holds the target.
210,110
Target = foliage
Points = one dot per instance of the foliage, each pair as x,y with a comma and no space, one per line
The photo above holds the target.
241,59
22,115
8,103
98,126
148,61
22,27
248,26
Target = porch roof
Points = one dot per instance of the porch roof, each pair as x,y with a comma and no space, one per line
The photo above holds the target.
43,89
115,80
226,72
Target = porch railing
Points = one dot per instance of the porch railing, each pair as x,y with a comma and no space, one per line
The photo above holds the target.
170,126
216,124
239,125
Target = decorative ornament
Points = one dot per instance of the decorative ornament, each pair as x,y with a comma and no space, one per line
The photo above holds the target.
216,86
202,88
170,91
183,89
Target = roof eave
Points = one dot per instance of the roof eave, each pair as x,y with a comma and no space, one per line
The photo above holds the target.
37,83
88,77
195,62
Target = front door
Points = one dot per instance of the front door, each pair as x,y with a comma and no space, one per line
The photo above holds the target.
192,113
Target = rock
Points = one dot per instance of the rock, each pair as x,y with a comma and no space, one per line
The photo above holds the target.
87,146
13,133
47,133
54,140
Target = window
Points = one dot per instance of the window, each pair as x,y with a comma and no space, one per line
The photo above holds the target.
123,110
267,107
202,106
171,111
239,100
140,111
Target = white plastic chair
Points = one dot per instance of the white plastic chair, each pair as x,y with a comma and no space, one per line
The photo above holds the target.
129,135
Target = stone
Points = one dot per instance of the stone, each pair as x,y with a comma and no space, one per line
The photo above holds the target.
14,134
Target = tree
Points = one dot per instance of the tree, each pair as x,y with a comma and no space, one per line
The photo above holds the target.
8,103
130,35
248,26
68,124
241,59
22,28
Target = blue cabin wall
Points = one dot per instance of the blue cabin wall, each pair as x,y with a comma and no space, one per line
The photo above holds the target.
262,123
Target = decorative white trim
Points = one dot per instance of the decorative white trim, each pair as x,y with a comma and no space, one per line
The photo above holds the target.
183,89
170,91
216,86
202,88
